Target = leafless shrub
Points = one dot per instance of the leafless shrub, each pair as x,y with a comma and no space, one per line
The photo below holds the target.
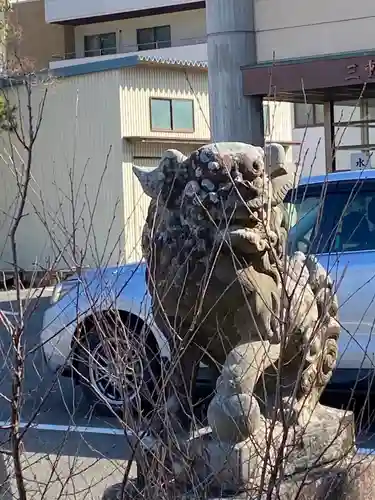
116,356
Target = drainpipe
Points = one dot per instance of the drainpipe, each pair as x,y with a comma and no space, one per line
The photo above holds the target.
231,43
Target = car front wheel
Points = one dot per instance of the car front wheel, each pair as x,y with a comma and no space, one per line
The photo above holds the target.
118,367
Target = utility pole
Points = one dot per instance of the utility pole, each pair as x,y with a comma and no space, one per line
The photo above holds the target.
231,43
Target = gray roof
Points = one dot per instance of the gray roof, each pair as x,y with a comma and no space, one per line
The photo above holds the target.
124,61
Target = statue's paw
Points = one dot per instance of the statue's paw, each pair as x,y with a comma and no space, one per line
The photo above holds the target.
234,418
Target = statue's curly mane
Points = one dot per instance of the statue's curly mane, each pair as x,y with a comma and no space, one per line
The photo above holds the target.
214,202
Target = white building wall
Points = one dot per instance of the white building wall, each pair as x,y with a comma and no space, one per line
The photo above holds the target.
63,10
186,28
301,28
310,154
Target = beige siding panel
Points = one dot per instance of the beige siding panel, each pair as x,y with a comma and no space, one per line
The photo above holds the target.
79,151
137,214
135,201
155,150
140,84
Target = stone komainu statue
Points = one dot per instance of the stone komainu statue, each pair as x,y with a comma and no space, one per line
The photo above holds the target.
225,290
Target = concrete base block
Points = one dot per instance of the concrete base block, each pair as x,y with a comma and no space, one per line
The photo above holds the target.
354,483
200,461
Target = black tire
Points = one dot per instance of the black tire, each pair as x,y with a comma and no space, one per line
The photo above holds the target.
91,343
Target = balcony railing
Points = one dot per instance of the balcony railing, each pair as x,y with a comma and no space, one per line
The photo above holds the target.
108,51
126,49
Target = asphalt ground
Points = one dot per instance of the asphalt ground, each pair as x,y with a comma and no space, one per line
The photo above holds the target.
69,452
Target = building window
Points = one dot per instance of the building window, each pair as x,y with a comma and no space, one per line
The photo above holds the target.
103,44
172,114
308,115
266,118
158,37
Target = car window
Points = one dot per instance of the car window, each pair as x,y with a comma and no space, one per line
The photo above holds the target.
333,220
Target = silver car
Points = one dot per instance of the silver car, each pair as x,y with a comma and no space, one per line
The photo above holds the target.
335,219
82,306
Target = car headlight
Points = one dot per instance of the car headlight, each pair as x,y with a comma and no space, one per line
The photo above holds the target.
63,288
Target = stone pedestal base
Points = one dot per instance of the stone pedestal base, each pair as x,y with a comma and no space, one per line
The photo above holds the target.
204,463
356,482
311,459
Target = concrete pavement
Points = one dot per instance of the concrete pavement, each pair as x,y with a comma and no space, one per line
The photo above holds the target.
68,450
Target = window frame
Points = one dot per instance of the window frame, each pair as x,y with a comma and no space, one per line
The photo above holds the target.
99,35
313,120
154,41
170,100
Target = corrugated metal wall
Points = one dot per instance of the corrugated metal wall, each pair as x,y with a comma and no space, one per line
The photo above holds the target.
135,201
85,119
138,86
141,83
72,179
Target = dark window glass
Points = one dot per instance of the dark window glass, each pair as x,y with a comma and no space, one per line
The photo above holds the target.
108,43
100,45
370,110
145,39
163,36
157,37
339,219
